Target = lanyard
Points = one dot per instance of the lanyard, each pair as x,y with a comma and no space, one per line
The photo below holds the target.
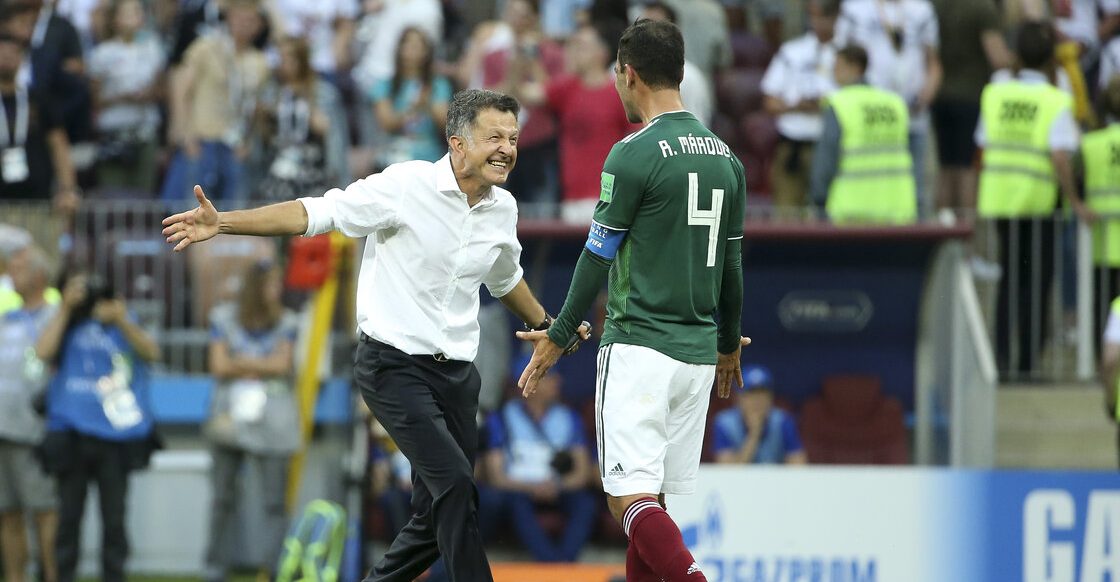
22,119
41,27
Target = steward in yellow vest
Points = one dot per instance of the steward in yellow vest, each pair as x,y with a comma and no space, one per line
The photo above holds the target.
1028,136
862,171
1100,156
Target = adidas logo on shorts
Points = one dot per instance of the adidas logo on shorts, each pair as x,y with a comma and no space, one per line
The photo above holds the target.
694,568
616,471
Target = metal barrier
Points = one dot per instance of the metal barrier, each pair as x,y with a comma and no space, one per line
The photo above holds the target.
1044,311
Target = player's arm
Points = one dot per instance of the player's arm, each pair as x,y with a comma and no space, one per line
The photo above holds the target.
521,302
621,188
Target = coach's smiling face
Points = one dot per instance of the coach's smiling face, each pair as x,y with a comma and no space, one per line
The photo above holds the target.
490,152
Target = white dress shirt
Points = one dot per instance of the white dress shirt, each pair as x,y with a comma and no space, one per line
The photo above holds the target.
801,70
1078,19
1064,134
903,71
426,256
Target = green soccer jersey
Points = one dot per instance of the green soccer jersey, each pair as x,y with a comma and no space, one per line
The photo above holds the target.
679,194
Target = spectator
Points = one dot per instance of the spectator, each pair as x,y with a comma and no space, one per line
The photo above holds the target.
861,168
755,431
253,419
24,487
589,112
193,19
504,57
328,26
212,99
36,162
99,425
12,240
126,74
57,68
538,458
1019,188
302,126
1087,23
380,33
969,29
696,91
411,106
707,38
798,77
1102,183
560,18
901,38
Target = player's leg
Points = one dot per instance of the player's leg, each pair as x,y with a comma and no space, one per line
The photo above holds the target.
632,400
656,536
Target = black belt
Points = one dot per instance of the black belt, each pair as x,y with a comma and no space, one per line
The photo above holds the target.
438,356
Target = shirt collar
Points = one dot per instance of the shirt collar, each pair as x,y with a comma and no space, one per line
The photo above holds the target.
666,113
1032,76
446,182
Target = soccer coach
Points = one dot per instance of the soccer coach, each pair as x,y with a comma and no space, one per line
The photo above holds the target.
436,233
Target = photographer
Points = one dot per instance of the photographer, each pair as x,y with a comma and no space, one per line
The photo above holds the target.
24,488
99,427
538,458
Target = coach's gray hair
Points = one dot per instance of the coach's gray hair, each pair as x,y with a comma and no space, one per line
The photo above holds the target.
466,105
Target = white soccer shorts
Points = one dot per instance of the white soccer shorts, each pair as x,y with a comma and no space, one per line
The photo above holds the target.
650,412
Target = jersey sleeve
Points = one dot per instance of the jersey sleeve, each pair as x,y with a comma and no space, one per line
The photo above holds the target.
737,211
621,188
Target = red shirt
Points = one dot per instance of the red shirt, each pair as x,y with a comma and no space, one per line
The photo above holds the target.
591,120
537,125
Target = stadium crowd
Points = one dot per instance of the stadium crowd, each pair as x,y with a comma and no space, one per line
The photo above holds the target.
276,99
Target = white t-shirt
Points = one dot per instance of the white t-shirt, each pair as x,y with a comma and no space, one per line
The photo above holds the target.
801,70
314,20
868,23
1064,134
1110,62
383,30
1081,24
123,68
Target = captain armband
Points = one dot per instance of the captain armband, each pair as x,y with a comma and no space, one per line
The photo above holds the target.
604,241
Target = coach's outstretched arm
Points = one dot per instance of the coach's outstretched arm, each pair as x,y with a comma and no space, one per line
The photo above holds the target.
204,222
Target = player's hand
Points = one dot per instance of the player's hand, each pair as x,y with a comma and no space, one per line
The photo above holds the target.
728,369
192,226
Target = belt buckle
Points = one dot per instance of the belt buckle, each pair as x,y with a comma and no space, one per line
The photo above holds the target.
439,357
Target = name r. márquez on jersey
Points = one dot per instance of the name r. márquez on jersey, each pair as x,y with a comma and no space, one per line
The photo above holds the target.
695,145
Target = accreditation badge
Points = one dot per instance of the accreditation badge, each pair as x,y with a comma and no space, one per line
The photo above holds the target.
13,165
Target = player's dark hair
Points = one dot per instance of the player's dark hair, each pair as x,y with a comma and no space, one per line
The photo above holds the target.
855,55
466,105
1034,42
670,14
655,50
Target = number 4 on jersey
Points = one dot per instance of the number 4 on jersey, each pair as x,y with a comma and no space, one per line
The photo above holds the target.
709,218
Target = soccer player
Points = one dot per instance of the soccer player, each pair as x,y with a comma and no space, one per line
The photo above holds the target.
667,233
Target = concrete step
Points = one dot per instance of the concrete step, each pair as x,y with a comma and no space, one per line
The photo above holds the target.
1061,426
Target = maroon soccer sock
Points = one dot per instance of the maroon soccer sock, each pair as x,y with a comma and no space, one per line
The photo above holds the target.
636,569
659,544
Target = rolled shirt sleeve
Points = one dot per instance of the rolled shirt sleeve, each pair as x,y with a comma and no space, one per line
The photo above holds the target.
363,208
506,272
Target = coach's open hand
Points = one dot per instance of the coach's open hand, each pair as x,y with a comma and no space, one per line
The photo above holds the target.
192,226
545,354
729,371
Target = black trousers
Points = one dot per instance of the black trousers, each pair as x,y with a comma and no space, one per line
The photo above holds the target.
428,407
107,464
1027,258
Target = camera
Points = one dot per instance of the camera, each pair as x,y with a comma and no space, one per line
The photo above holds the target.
97,288
562,463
